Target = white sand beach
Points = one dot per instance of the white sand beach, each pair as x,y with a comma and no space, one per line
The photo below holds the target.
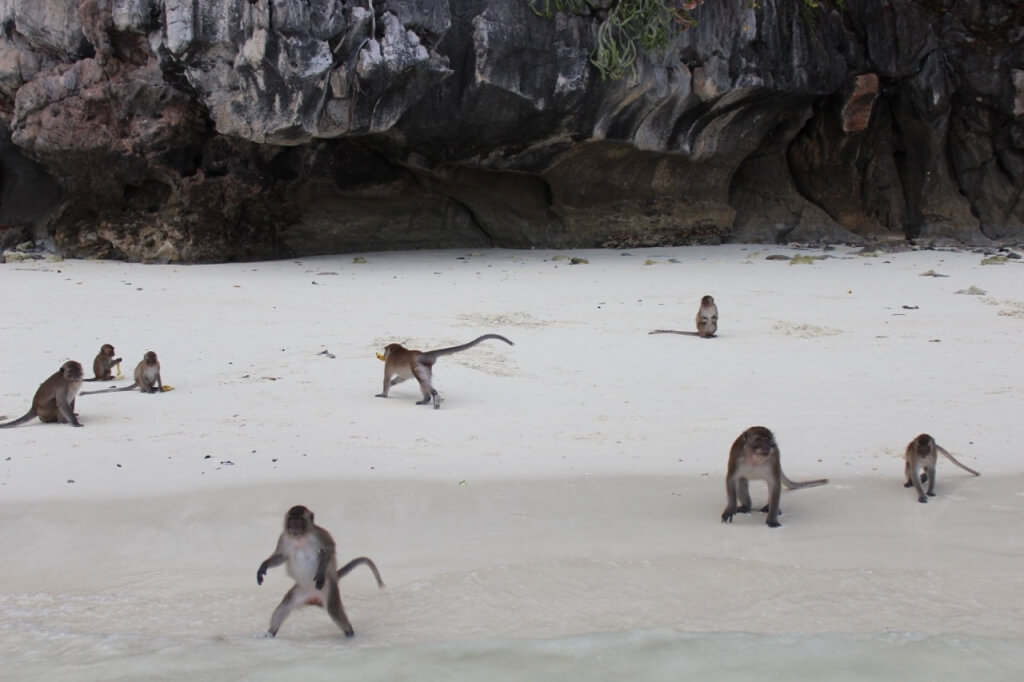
559,516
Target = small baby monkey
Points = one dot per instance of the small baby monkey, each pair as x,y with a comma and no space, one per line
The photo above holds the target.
103,363
310,553
921,453
755,455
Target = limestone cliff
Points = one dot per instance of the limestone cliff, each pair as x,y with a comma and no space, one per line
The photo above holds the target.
211,130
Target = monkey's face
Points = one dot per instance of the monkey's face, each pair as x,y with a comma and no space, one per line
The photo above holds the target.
150,358
297,521
761,443
71,370
923,445
107,350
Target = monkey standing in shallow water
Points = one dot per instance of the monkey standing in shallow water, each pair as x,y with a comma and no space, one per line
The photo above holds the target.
755,455
147,377
706,321
400,364
54,400
103,363
922,453
310,553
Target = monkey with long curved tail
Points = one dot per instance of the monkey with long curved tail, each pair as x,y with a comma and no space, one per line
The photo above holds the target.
400,364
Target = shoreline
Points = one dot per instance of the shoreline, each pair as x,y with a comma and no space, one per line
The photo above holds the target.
860,556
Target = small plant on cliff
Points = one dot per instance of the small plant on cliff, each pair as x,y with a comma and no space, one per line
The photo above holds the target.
628,28
816,4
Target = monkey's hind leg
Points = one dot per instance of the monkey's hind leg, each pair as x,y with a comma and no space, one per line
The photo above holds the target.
335,609
292,598
423,375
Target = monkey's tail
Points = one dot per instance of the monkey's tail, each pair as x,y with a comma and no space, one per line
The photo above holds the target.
954,460
366,561
796,485
466,346
111,390
29,415
673,331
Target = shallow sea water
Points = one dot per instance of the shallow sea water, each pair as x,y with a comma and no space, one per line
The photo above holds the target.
503,581
653,655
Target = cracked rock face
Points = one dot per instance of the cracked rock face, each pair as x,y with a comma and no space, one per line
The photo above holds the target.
215,130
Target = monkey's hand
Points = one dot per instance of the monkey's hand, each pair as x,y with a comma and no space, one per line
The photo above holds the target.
260,572
726,517
319,579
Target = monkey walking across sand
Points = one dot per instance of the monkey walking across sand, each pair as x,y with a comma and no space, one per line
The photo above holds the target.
922,453
755,455
309,551
400,364
54,400
147,377
706,321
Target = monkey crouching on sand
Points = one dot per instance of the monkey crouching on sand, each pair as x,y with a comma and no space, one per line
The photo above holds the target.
309,552
54,400
755,455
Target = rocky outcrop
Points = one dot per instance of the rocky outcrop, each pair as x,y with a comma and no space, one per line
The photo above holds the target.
211,130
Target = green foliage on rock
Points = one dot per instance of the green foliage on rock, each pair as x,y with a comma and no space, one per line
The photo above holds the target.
628,28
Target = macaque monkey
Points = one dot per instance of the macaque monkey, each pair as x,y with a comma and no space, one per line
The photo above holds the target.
400,364
755,455
707,321
310,553
922,453
147,377
54,400
103,363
